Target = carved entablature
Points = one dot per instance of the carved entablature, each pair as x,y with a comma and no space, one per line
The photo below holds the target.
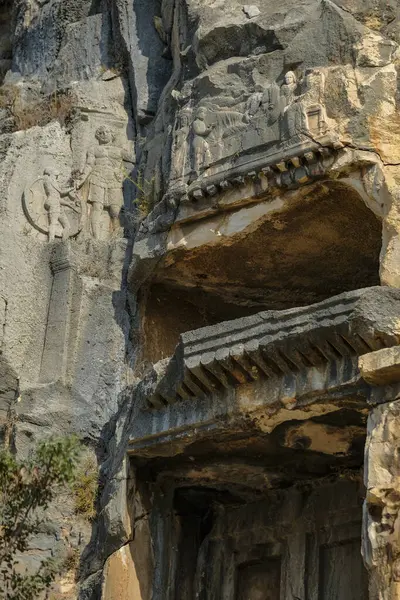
224,133
275,137
260,178
253,369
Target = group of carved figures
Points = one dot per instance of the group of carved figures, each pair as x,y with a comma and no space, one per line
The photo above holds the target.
268,107
271,114
104,175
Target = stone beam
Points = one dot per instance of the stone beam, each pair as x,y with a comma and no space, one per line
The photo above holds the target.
381,367
253,374
279,343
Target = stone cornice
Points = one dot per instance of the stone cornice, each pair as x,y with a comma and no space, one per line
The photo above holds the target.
287,169
278,343
253,374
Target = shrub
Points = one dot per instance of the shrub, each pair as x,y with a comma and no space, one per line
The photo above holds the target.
144,193
85,488
38,111
27,487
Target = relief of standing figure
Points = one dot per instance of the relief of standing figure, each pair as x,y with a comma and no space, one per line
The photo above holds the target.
265,105
202,155
288,88
180,146
293,115
54,204
105,175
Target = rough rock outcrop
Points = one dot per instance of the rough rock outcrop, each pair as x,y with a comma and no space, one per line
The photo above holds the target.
199,263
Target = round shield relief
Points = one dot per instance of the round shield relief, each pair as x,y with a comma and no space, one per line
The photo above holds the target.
33,203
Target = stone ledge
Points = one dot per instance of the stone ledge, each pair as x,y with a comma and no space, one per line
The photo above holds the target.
288,169
274,344
381,367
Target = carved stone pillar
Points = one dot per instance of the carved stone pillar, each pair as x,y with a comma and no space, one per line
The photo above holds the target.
60,329
381,531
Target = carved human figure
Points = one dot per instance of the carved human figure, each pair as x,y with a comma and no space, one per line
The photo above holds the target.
265,104
293,111
271,103
288,88
226,121
253,104
54,203
105,175
180,146
201,130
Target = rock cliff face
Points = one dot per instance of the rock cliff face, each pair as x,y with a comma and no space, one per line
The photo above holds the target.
199,237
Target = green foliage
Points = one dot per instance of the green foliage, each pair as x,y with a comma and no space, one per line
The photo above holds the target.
144,188
71,561
85,488
25,489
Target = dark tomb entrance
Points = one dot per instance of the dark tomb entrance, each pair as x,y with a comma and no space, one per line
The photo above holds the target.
259,581
293,544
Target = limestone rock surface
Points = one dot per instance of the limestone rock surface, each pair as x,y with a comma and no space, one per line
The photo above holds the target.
168,166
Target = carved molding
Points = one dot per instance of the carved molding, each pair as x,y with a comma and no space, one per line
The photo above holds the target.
277,343
286,172
63,258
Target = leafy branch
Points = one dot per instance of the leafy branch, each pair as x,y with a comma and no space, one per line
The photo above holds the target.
143,201
25,489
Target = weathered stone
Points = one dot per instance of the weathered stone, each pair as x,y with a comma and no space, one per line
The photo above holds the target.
380,546
120,579
199,273
251,10
381,367
345,323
